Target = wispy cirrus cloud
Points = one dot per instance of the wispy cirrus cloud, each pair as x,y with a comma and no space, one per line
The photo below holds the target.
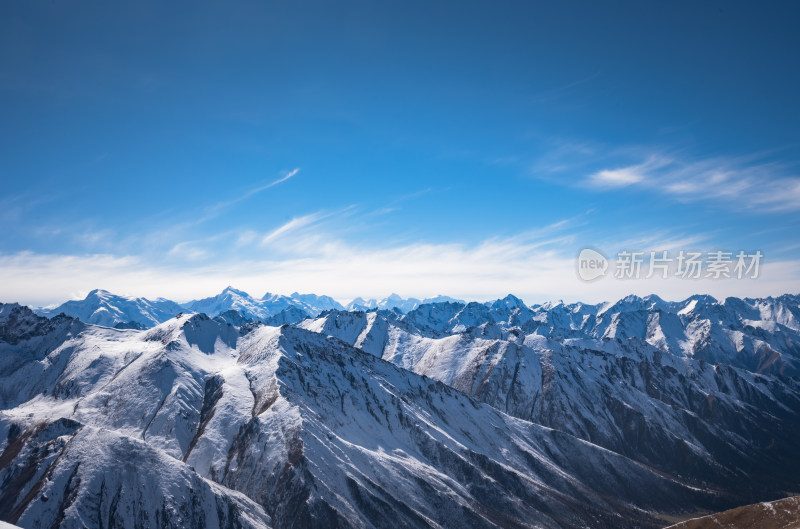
626,176
189,251
742,182
163,233
291,226
208,212
216,209
285,239
14,208
750,182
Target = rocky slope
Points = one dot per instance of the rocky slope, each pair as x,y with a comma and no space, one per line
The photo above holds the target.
450,415
717,423
192,423
778,514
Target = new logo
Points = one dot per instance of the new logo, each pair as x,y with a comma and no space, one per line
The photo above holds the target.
591,264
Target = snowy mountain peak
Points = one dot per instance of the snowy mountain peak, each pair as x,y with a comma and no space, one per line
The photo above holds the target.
290,315
235,291
703,299
362,304
269,296
104,308
510,301
441,299
7,309
548,305
318,303
208,335
19,323
393,301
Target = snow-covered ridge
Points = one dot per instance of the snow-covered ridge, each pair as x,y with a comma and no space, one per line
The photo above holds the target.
761,335
192,423
362,418
104,308
713,382
394,301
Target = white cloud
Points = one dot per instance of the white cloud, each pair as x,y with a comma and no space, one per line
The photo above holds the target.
215,210
246,237
189,251
90,238
626,176
617,177
661,241
741,183
535,268
293,225
254,191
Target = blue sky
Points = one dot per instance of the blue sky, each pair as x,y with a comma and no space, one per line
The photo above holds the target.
357,149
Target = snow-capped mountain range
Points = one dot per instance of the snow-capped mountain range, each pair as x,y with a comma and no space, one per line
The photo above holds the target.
755,334
104,308
674,410
107,309
394,301
291,411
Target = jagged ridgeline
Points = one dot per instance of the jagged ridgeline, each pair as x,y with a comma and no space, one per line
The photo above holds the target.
292,411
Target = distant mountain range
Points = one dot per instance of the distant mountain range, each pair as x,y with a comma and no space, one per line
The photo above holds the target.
394,301
104,308
292,411
755,334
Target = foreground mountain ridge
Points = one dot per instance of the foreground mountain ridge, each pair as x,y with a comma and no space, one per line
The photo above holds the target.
696,402
313,433
707,413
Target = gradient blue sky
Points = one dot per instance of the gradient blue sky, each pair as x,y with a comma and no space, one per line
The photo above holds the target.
463,148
